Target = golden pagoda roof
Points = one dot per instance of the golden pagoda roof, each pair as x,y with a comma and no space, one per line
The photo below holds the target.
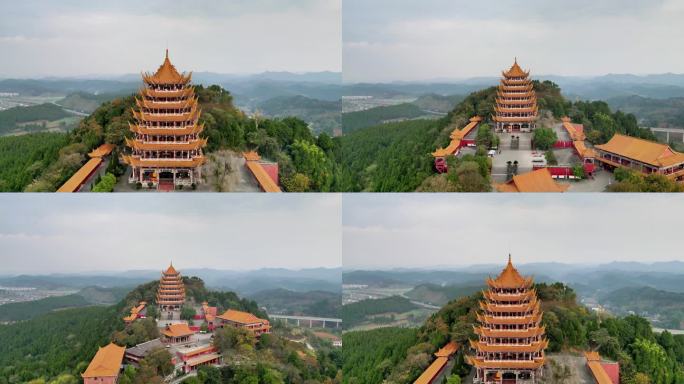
529,332
648,152
533,347
167,131
510,277
506,364
449,150
531,100
167,146
515,71
171,270
106,363
164,163
167,74
535,181
527,86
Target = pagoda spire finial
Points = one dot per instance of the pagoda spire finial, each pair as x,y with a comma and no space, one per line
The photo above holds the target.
167,53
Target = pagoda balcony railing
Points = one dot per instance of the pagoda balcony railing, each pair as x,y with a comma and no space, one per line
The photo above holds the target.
172,90
161,114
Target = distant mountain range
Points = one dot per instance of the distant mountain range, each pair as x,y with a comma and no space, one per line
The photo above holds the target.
244,282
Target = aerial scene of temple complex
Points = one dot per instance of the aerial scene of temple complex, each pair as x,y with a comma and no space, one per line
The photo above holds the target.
190,342
570,163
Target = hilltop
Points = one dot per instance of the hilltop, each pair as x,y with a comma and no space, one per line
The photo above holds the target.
60,344
400,355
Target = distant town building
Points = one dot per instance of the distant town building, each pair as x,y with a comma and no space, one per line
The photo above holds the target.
246,320
642,156
511,342
171,291
166,149
516,102
104,368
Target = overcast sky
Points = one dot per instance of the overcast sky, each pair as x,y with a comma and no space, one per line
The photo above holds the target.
429,230
86,37
387,40
93,232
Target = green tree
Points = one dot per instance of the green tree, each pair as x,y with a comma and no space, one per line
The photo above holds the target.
453,379
544,138
310,160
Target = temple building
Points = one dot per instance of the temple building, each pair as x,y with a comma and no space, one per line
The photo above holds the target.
105,366
176,333
511,343
239,319
171,291
166,148
536,181
641,156
516,102
137,312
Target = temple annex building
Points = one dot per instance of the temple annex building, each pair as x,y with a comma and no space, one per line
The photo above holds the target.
511,342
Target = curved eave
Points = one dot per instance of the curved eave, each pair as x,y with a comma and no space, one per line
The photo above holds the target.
503,364
530,348
147,92
183,79
531,332
531,101
193,115
147,146
529,319
524,119
145,103
189,130
165,163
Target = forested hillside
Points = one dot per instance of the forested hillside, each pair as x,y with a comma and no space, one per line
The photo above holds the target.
355,313
59,345
306,161
9,118
396,156
569,327
29,309
353,121
23,158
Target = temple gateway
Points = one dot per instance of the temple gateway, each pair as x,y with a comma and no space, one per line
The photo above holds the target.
166,149
511,342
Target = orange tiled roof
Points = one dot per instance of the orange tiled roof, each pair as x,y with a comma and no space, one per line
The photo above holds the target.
511,364
515,71
433,370
164,163
535,181
171,270
177,330
78,178
106,363
166,74
597,370
103,150
169,131
240,317
148,92
486,332
649,152
202,359
510,277
447,350
166,146
262,177
533,347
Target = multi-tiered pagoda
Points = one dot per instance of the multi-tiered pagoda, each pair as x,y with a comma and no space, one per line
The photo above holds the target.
171,291
516,102
166,149
511,343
